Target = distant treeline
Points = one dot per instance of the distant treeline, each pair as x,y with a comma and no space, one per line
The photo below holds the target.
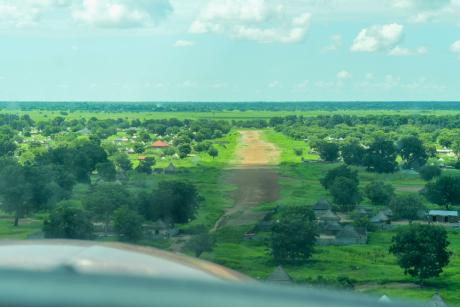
230,106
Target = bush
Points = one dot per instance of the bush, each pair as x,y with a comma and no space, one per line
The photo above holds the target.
379,193
406,206
128,224
429,172
68,221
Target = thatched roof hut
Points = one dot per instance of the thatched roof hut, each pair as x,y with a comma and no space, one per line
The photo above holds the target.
349,235
322,205
380,218
437,301
326,215
280,276
384,299
170,168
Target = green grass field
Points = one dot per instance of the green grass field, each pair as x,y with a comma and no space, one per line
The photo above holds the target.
218,115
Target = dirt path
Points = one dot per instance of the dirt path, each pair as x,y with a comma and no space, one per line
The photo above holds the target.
254,174
253,151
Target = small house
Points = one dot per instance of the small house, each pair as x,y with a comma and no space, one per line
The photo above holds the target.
159,144
160,230
349,235
443,216
280,276
381,218
170,169
330,228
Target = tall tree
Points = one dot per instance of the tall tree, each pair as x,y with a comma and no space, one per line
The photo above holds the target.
128,224
294,236
104,199
340,171
379,193
176,200
445,191
412,152
406,206
353,153
345,193
69,220
328,151
421,250
381,156
213,152
145,166
15,190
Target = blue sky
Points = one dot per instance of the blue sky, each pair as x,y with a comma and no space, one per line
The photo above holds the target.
229,50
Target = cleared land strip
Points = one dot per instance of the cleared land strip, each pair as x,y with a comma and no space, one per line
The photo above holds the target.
254,174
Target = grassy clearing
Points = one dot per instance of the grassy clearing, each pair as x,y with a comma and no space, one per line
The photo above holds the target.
26,228
287,146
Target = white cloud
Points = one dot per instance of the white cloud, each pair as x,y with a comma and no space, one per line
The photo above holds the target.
400,51
122,13
343,75
455,47
378,38
184,43
422,11
264,21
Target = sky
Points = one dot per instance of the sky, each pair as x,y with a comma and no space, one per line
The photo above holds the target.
229,50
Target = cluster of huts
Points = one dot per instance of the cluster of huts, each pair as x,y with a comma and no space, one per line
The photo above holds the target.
158,230
332,231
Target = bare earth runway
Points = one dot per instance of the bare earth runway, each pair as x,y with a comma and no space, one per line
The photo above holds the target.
254,174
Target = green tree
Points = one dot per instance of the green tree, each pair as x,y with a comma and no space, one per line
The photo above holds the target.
328,151
298,151
104,199
123,162
445,191
345,193
353,153
428,172
213,152
412,152
184,150
176,201
421,250
145,166
201,243
381,156
128,224
68,221
139,148
7,144
340,171
406,206
15,190
294,236
106,170
379,193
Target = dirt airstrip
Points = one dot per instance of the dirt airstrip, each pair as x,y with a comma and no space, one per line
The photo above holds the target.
254,175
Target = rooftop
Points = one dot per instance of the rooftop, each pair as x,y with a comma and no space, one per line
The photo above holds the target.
443,213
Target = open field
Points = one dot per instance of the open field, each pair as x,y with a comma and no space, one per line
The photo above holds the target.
217,115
